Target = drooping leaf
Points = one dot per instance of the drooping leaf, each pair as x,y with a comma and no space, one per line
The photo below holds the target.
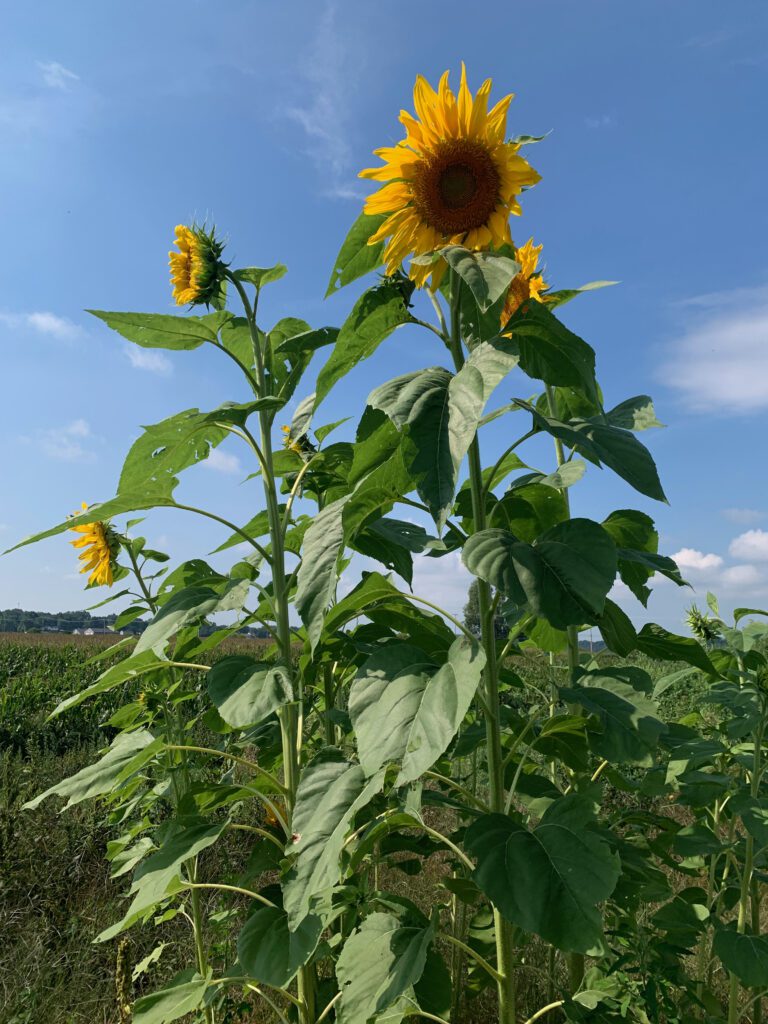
375,315
634,414
407,711
356,258
130,668
245,691
330,793
616,629
180,997
552,353
316,579
129,752
190,605
379,963
659,643
551,879
628,716
270,952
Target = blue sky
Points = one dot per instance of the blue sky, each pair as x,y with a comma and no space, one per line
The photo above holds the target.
118,121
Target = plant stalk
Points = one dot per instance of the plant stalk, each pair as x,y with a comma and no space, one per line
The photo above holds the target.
504,929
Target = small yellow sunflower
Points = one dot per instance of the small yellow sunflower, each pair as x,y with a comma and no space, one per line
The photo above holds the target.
300,445
452,180
528,283
100,545
196,270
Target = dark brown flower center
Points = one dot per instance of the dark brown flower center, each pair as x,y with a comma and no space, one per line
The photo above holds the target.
456,186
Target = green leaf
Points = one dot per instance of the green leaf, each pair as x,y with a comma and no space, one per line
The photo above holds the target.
157,330
746,956
270,952
659,643
548,880
332,790
634,414
563,295
408,535
486,274
129,752
379,963
130,668
256,527
403,711
617,630
552,353
373,318
191,605
246,691
183,995
530,510
564,577
629,717
739,613
356,258
261,275
318,572
159,875
168,447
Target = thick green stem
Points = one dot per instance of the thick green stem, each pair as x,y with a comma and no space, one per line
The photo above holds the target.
291,715
329,697
490,684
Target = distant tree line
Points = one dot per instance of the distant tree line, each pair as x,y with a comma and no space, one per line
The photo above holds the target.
19,620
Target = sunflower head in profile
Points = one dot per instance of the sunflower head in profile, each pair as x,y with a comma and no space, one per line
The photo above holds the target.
702,626
528,283
100,546
196,269
453,179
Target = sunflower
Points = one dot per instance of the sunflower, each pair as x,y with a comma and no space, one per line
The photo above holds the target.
300,445
452,180
196,270
100,545
528,283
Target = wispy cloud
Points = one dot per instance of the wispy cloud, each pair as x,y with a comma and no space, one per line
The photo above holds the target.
691,560
706,40
600,121
323,114
222,462
55,75
149,360
743,516
720,363
70,443
42,322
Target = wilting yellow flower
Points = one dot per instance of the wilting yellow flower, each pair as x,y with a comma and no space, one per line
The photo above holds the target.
99,545
528,283
196,270
300,445
452,180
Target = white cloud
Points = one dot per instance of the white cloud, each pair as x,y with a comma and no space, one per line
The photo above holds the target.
743,576
323,114
444,581
743,516
706,40
691,560
601,121
222,462
56,76
147,359
720,363
42,322
750,545
65,444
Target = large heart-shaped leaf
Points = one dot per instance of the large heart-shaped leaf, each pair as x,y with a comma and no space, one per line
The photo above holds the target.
270,952
180,997
246,691
548,880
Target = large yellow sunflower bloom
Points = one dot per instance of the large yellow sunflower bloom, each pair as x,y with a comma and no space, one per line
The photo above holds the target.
196,270
452,180
99,549
528,283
